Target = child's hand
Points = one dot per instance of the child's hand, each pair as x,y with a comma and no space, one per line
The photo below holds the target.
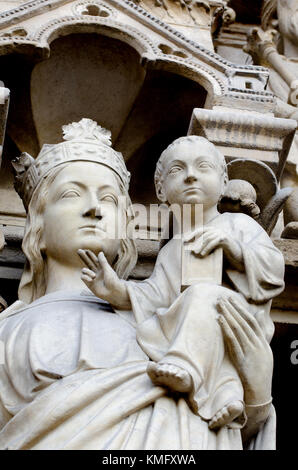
102,280
208,238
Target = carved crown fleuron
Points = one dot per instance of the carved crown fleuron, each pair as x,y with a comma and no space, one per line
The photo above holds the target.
84,141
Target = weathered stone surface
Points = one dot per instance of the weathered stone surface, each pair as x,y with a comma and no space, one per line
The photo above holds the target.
289,249
291,231
104,72
287,301
196,20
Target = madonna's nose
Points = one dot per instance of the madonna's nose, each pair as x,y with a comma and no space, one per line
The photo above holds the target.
94,211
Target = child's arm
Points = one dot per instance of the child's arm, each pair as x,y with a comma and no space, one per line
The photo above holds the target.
102,280
206,239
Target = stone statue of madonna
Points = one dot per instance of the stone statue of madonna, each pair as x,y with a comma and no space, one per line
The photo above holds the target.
75,375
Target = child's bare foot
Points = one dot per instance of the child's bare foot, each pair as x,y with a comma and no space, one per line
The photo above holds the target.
168,375
226,415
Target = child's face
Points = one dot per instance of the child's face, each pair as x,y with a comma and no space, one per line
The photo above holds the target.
192,175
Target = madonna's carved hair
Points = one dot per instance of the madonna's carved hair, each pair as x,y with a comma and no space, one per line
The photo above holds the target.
268,11
34,279
158,176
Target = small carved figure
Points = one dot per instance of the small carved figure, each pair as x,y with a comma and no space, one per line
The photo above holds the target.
240,196
174,329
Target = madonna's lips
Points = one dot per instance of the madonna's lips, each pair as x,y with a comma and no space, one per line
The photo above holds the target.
92,227
194,188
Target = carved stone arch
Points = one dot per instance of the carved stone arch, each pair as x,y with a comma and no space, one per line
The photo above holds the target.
107,27
160,54
195,71
155,55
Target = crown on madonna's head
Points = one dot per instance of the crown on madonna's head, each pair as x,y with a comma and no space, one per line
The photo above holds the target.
84,141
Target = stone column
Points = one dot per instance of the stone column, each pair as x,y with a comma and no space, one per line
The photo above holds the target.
4,101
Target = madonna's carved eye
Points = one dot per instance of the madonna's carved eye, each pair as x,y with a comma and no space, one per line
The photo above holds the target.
70,193
110,198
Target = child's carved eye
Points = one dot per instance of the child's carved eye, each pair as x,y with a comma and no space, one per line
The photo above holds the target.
204,165
174,170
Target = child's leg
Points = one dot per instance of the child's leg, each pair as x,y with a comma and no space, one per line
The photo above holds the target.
196,350
172,376
227,416
194,336
226,406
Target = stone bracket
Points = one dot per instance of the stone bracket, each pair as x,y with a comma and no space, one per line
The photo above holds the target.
246,135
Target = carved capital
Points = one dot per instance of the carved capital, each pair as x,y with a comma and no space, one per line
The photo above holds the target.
260,44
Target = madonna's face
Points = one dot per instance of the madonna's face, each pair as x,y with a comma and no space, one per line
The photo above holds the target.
82,211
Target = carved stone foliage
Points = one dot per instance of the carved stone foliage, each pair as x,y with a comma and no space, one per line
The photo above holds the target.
197,20
191,12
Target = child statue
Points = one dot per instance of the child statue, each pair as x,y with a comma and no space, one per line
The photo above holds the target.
180,331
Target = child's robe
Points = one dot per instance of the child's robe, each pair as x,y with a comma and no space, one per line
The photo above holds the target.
183,329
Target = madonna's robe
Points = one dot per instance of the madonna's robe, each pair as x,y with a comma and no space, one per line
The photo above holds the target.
75,378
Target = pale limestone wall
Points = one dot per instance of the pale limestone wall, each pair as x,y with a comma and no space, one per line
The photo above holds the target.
9,4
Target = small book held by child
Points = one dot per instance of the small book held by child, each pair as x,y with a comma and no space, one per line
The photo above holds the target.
196,269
